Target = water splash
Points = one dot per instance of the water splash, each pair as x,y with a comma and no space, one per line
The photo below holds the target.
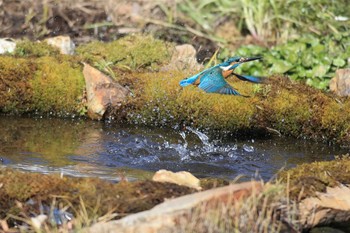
180,148
208,147
183,135
247,148
207,150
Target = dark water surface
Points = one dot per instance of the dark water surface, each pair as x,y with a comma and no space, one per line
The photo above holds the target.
87,148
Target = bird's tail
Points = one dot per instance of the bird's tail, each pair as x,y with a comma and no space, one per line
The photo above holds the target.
188,81
249,78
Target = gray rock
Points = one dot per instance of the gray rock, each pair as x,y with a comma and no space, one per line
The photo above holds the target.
340,84
7,45
183,58
63,43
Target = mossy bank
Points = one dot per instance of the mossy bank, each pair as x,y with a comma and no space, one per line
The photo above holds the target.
307,179
279,106
40,84
25,194
97,196
36,79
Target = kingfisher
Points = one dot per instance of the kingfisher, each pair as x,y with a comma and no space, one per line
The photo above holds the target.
212,80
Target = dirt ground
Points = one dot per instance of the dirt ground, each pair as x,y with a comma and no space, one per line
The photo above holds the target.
106,20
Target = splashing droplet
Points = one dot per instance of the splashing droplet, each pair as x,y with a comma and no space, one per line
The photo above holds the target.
208,147
247,148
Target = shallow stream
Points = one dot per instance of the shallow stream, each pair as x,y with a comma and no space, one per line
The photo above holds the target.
86,148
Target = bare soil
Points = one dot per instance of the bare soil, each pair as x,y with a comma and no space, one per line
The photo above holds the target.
86,20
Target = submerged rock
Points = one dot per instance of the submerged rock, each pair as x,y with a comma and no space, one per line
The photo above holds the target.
102,93
181,178
63,43
340,84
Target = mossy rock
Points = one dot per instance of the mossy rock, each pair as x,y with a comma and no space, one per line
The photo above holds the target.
27,48
291,108
288,107
57,86
161,101
39,79
130,52
40,85
15,89
307,179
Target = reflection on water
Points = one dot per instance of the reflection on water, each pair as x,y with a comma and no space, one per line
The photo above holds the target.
86,148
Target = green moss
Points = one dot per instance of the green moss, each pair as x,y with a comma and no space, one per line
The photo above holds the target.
40,84
160,100
55,83
34,49
336,119
210,183
290,111
57,86
306,179
291,108
134,52
15,90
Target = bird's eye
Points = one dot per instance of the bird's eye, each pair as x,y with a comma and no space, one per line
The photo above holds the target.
242,59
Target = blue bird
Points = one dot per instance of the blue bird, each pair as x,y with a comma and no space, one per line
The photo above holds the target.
212,80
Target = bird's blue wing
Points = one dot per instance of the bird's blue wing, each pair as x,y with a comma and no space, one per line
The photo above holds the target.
209,85
228,90
191,80
214,82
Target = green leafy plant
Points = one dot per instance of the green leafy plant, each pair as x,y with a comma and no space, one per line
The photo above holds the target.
308,59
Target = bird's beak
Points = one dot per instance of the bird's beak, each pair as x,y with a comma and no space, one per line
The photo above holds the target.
249,59
241,61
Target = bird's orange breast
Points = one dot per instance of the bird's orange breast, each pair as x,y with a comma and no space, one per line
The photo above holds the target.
226,73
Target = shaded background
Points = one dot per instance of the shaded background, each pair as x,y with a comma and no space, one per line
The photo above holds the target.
206,24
